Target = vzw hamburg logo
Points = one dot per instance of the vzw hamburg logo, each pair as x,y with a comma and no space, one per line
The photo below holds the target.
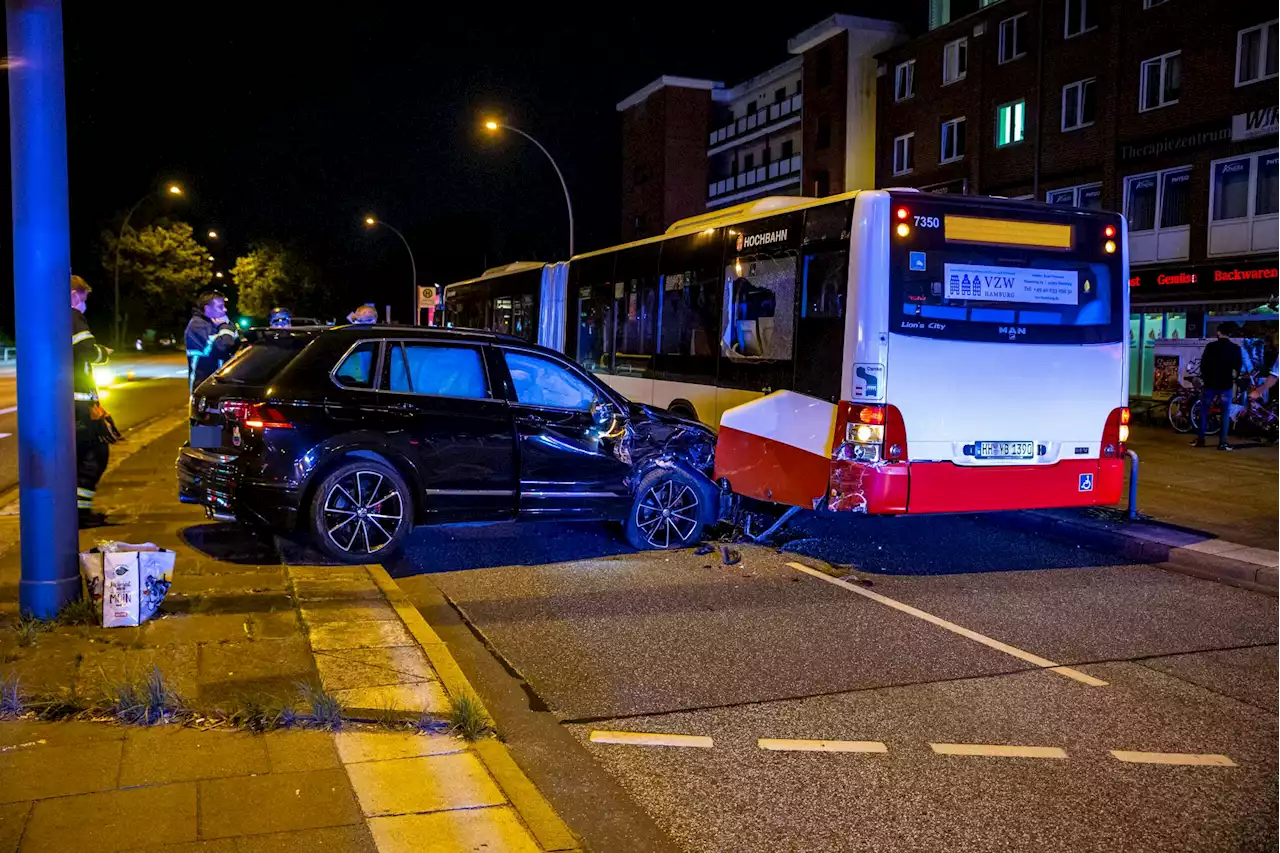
747,242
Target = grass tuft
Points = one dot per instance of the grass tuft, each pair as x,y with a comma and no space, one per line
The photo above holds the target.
468,719
63,705
79,612
11,701
146,702
262,714
326,709
28,628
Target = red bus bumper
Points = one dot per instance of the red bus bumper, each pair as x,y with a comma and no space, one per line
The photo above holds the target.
923,487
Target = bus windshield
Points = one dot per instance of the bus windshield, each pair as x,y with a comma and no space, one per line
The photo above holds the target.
958,277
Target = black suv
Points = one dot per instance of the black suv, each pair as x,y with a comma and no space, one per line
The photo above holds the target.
356,433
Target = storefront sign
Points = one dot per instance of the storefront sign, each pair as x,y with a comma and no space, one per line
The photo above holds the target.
1179,142
1254,123
1210,277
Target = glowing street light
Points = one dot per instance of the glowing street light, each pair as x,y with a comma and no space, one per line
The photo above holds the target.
493,126
372,222
217,275
173,189
213,235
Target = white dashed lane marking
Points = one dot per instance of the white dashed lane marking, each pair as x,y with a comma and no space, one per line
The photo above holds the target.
1034,660
1193,759
998,750
791,745
651,739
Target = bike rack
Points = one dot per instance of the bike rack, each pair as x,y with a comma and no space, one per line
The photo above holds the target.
1133,484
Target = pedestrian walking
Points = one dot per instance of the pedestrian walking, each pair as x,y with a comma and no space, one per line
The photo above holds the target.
95,431
211,338
1220,364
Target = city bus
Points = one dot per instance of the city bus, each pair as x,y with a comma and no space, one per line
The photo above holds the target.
884,351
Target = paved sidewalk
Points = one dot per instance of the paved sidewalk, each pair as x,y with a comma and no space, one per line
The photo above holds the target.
238,636
1204,512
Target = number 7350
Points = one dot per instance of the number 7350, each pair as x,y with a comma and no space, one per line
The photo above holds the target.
928,222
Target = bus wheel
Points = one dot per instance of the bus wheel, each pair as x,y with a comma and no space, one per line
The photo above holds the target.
670,510
682,409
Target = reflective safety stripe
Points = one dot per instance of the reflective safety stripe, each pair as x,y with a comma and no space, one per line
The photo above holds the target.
82,504
84,396
85,493
81,336
228,332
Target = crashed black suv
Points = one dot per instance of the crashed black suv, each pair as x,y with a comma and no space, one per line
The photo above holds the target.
355,434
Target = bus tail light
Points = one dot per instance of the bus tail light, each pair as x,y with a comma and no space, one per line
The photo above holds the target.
870,433
1115,433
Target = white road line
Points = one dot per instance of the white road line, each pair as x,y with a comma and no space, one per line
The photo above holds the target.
1197,759
8,411
1035,660
790,745
997,750
651,739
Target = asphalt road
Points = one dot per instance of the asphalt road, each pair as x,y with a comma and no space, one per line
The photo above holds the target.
599,639
159,385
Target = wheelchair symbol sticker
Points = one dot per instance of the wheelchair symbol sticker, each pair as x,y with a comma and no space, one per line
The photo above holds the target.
1086,482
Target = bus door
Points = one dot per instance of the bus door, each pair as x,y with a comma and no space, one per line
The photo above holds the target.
823,296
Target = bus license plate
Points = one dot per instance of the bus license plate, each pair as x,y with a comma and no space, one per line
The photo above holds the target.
1005,450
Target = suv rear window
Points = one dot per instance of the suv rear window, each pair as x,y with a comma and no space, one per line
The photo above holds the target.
259,362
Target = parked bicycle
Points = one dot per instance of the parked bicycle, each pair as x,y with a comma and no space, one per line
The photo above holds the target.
1257,416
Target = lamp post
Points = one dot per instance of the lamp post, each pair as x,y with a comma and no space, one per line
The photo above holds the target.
372,222
493,126
173,189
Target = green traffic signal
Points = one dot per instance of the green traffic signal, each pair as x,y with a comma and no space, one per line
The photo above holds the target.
244,322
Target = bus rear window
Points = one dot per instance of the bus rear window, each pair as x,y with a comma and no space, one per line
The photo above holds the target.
970,292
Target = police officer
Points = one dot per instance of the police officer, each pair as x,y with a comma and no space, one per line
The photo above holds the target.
211,338
280,318
94,430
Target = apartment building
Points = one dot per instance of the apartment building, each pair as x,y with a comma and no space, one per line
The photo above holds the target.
804,127
1164,110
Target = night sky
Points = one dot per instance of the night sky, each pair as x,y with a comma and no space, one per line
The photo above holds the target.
286,122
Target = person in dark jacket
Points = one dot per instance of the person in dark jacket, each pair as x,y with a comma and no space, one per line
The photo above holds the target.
211,338
94,431
1220,364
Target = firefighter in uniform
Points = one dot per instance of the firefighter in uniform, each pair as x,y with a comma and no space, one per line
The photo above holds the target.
95,432
211,338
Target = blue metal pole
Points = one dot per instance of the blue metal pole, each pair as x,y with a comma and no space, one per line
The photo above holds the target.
1133,485
42,287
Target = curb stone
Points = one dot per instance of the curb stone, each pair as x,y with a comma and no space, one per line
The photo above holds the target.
1159,546
550,831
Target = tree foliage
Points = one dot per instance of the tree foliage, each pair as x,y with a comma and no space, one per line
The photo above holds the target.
270,275
162,268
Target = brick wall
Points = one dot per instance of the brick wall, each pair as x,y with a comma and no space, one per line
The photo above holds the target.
825,105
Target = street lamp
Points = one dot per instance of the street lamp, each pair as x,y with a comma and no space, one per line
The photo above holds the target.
213,235
493,126
217,275
371,222
173,189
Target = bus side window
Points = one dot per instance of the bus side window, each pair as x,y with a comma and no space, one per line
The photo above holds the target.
591,291
760,296
689,322
636,288
825,284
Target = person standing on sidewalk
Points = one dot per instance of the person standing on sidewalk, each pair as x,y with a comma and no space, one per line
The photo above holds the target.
211,338
94,431
1220,364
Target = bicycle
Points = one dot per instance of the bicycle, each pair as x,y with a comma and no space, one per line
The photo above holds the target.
1182,404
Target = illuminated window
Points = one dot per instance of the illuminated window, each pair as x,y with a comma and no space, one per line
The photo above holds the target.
904,154
1079,104
904,80
955,61
1013,44
952,140
1161,81
1011,123
1244,199
1256,53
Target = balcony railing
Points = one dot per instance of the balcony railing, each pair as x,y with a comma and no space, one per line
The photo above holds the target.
784,168
761,118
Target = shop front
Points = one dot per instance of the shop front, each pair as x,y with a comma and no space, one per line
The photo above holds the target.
1174,302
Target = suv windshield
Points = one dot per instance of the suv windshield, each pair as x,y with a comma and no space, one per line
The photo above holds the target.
257,363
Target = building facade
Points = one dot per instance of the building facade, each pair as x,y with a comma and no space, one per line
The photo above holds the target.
1164,110
804,127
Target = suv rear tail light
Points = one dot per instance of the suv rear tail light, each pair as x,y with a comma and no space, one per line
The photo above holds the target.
1116,433
255,415
265,417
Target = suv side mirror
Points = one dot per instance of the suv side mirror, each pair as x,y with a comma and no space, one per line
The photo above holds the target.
602,413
